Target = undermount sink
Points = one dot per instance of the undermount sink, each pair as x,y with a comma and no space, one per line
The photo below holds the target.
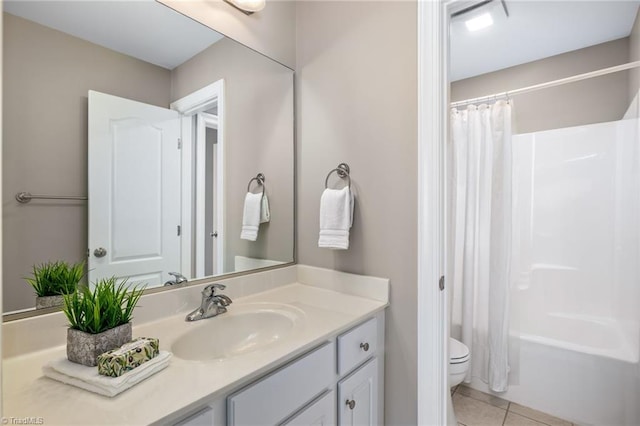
243,329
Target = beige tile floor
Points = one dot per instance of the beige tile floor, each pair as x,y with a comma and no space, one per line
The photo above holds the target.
475,408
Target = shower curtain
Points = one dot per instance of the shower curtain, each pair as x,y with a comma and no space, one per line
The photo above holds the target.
480,235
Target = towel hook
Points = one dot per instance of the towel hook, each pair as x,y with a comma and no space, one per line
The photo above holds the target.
260,179
342,171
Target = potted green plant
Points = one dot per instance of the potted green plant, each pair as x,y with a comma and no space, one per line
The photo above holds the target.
99,319
52,280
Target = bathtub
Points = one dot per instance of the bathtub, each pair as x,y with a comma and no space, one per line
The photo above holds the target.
584,370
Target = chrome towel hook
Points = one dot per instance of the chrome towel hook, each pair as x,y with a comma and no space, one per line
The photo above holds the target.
342,171
260,179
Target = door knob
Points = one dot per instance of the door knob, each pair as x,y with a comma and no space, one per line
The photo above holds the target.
364,347
351,404
214,234
100,252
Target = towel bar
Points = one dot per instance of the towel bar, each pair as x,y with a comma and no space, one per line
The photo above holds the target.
25,197
342,171
260,179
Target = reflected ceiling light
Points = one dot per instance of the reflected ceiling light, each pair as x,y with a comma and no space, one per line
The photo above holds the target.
247,6
479,22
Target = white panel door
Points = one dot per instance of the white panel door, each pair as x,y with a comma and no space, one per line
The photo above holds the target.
357,396
134,190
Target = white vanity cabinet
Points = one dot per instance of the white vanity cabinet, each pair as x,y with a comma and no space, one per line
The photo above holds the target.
357,395
321,412
282,393
337,383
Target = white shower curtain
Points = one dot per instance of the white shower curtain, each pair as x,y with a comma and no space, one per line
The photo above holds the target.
480,235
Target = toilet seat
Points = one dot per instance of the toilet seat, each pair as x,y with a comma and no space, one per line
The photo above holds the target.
458,352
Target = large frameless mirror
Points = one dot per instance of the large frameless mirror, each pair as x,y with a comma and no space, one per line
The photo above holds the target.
132,136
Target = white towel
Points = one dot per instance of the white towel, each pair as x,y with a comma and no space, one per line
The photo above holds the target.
336,218
88,378
256,211
251,216
265,213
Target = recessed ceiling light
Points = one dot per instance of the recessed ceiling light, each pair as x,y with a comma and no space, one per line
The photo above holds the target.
479,22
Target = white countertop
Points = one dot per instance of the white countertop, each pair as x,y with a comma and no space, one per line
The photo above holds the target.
184,385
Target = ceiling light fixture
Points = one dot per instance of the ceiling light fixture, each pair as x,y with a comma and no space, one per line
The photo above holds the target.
479,22
247,6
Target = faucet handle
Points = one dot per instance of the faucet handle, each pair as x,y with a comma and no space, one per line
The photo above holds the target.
210,290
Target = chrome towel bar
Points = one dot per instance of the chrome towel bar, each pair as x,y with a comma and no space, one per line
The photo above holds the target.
25,197
260,179
342,171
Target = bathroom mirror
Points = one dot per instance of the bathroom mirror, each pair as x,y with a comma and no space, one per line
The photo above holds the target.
159,125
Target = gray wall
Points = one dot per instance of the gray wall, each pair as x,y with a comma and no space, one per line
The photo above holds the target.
594,100
258,138
357,103
272,31
46,77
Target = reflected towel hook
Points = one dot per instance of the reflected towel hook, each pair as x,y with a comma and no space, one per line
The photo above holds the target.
342,171
260,179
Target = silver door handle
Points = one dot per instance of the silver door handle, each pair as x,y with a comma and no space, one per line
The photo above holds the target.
351,404
100,252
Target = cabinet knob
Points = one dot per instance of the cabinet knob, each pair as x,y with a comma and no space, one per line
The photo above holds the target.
351,404
364,346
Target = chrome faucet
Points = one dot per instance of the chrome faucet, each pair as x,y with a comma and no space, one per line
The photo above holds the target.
178,279
212,304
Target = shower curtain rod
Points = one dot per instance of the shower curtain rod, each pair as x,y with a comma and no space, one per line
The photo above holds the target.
578,77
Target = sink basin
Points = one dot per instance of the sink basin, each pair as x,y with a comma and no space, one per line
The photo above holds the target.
243,329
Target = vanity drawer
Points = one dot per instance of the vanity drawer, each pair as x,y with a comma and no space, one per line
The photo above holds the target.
282,393
357,345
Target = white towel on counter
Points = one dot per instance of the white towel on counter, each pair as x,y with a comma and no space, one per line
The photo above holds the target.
88,378
336,218
256,211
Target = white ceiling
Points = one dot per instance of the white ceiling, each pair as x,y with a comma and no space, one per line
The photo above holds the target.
143,29
535,30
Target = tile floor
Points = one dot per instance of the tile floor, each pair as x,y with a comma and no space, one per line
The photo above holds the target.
475,408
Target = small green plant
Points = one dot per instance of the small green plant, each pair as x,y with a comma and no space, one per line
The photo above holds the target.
108,305
55,278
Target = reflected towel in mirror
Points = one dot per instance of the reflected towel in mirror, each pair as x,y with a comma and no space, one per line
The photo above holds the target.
256,211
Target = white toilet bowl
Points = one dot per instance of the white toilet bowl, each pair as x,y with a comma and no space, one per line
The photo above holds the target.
459,360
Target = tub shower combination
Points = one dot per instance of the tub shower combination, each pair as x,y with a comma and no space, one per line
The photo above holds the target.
575,303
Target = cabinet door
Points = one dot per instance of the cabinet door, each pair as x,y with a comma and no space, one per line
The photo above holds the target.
321,413
203,417
357,396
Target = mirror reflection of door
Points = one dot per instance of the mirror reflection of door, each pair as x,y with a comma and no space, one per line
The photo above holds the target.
134,190
208,126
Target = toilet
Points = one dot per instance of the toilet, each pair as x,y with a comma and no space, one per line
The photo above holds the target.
459,360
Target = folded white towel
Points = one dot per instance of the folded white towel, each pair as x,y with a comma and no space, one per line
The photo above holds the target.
88,378
336,218
251,216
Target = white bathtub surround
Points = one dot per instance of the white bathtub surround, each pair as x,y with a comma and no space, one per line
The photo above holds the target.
576,322
327,311
480,235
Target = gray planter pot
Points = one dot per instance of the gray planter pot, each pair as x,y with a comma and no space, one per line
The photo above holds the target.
43,302
84,348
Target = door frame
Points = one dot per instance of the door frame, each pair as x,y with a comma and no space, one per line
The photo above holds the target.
206,121
199,101
433,309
